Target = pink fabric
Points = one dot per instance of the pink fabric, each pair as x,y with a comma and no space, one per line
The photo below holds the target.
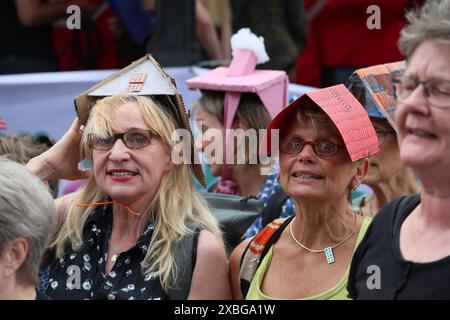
73,186
227,186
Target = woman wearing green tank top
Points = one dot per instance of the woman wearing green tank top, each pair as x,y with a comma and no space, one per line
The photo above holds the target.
325,139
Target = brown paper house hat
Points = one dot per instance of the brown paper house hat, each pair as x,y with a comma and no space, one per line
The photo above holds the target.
144,77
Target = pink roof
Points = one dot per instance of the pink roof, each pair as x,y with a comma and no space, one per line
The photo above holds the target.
347,114
219,80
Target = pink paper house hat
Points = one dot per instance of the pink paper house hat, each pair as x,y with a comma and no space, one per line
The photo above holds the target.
344,110
270,85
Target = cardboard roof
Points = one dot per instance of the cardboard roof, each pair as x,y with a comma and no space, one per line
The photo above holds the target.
380,100
344,110
144,77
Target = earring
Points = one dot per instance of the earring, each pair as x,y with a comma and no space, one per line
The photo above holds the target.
354,186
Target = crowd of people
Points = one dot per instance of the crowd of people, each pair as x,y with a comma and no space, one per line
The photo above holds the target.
138,228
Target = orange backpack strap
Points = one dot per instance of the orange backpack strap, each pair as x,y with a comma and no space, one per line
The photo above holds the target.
257,249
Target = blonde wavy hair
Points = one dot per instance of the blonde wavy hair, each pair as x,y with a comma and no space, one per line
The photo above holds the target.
177,208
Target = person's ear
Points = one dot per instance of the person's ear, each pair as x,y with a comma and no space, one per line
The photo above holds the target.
14,255
170,165
361,172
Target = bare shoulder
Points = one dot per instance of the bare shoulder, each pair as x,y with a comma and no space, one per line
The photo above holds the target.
62,204
210,276
208,241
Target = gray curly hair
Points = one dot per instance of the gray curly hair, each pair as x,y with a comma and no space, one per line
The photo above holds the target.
432,22
26,210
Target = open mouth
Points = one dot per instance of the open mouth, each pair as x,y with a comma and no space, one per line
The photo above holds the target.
121,173
422,134
307,176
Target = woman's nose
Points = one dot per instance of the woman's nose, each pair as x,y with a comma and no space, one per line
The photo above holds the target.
119,151
416,102
307,154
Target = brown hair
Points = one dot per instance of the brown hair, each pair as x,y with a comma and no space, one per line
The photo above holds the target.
310,113
251,111
23,148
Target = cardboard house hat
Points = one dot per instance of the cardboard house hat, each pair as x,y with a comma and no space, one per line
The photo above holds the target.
373,87
347,114
270,85
144,77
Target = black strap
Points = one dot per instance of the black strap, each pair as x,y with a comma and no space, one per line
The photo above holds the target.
245,285
185,259
273,209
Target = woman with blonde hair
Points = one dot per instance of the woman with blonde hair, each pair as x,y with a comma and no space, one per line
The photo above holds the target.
138,229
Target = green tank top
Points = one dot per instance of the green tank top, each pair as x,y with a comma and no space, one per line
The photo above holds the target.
338,292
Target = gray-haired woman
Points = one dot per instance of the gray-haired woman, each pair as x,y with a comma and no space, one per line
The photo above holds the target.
406,251
27,213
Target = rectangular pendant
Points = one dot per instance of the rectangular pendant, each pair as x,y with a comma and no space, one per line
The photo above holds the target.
329,255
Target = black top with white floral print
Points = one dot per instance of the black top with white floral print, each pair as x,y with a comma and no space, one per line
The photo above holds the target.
81,274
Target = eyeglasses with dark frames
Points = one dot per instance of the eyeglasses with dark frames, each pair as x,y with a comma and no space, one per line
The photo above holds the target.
437,92
133,139
322,148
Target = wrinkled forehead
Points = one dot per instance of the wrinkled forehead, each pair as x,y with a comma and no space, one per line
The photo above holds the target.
430,61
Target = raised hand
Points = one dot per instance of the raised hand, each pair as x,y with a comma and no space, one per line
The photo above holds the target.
61,160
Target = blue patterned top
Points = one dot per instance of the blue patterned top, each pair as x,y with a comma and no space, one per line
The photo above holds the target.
268,189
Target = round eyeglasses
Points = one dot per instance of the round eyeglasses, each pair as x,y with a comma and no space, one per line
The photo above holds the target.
133,139
321,148
437,92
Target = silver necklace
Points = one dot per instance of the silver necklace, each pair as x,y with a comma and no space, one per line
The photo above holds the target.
328,250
